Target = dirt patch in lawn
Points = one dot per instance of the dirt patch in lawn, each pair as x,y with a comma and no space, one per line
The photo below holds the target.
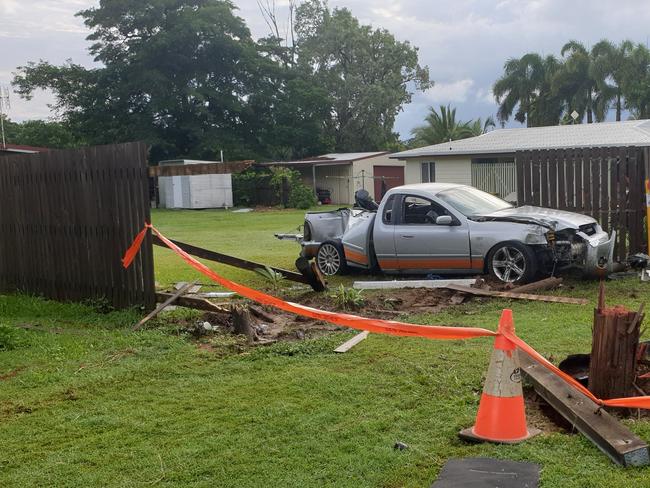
542,416
392,303
273,325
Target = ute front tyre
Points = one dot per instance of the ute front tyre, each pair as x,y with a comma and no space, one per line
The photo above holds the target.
512,262
330,259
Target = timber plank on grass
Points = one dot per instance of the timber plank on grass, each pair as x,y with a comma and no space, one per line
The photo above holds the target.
608,434
517,296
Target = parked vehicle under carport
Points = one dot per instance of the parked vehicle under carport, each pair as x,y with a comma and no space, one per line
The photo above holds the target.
444,228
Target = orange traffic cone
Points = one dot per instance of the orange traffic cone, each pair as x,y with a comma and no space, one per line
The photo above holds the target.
501,416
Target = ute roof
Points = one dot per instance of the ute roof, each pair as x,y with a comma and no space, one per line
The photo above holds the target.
430,188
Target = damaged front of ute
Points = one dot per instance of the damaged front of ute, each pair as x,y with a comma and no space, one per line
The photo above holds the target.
561,239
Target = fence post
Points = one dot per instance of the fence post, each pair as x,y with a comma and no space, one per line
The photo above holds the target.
285,192
646,160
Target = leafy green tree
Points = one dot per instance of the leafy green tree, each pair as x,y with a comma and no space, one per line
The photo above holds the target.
176,73
442,126
39,133
367,74
290,113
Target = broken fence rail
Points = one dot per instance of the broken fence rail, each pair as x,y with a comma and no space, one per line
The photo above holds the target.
517,296
601,428
236,262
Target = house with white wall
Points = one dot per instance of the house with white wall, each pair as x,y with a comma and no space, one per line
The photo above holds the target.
488,161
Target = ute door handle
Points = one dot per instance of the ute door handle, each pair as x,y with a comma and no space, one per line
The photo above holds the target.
408,236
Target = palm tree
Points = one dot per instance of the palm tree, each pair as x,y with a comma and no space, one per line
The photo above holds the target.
609,62
547,106
440,127
635,82
479,127
578,85
518,87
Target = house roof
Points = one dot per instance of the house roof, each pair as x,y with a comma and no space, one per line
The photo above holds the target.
627,133
331,159
17,148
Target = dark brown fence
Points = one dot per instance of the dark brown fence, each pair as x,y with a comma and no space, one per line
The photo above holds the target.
66,218
606,183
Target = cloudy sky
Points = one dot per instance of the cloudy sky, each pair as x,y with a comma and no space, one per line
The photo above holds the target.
464,42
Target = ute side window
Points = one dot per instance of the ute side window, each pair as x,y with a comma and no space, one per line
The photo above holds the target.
418,210
387,217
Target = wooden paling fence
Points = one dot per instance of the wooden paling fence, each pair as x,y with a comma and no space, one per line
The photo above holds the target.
66,218
606,183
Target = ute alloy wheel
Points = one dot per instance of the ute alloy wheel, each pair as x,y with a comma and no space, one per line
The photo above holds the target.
330,259
512,262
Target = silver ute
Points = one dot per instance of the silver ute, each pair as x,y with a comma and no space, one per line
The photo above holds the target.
442,228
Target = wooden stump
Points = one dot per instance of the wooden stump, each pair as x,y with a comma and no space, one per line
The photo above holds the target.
241,319
615,333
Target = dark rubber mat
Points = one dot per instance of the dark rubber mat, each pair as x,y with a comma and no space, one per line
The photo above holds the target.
487,473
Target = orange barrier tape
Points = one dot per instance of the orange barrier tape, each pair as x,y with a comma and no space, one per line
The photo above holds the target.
627,402
347,320
378,325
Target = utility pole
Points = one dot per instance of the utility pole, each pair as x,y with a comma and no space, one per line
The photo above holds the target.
4,106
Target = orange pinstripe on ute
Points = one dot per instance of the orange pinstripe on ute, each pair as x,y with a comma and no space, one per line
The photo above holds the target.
355,256
432,263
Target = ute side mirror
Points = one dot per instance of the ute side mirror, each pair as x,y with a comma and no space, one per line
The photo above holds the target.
445,220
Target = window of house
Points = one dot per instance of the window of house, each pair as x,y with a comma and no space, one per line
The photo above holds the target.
428,172
418,210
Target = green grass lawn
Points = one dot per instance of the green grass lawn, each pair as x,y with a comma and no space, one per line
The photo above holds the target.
246,235
98,405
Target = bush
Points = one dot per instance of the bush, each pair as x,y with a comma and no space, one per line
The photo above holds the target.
253,187
301,196
265,187
9,338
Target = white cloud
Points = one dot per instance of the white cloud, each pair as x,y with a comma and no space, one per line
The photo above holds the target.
454,91
484,95
464,42
8,7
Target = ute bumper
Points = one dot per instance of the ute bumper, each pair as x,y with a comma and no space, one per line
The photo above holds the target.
599,256
309,249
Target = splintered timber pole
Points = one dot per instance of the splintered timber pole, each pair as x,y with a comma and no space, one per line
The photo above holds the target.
242,322
615,332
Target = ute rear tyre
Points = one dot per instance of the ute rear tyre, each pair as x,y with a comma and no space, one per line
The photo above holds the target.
512,262
330,259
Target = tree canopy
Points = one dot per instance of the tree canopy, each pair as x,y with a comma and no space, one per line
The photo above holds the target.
187,77
40,133
366,72
590,81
